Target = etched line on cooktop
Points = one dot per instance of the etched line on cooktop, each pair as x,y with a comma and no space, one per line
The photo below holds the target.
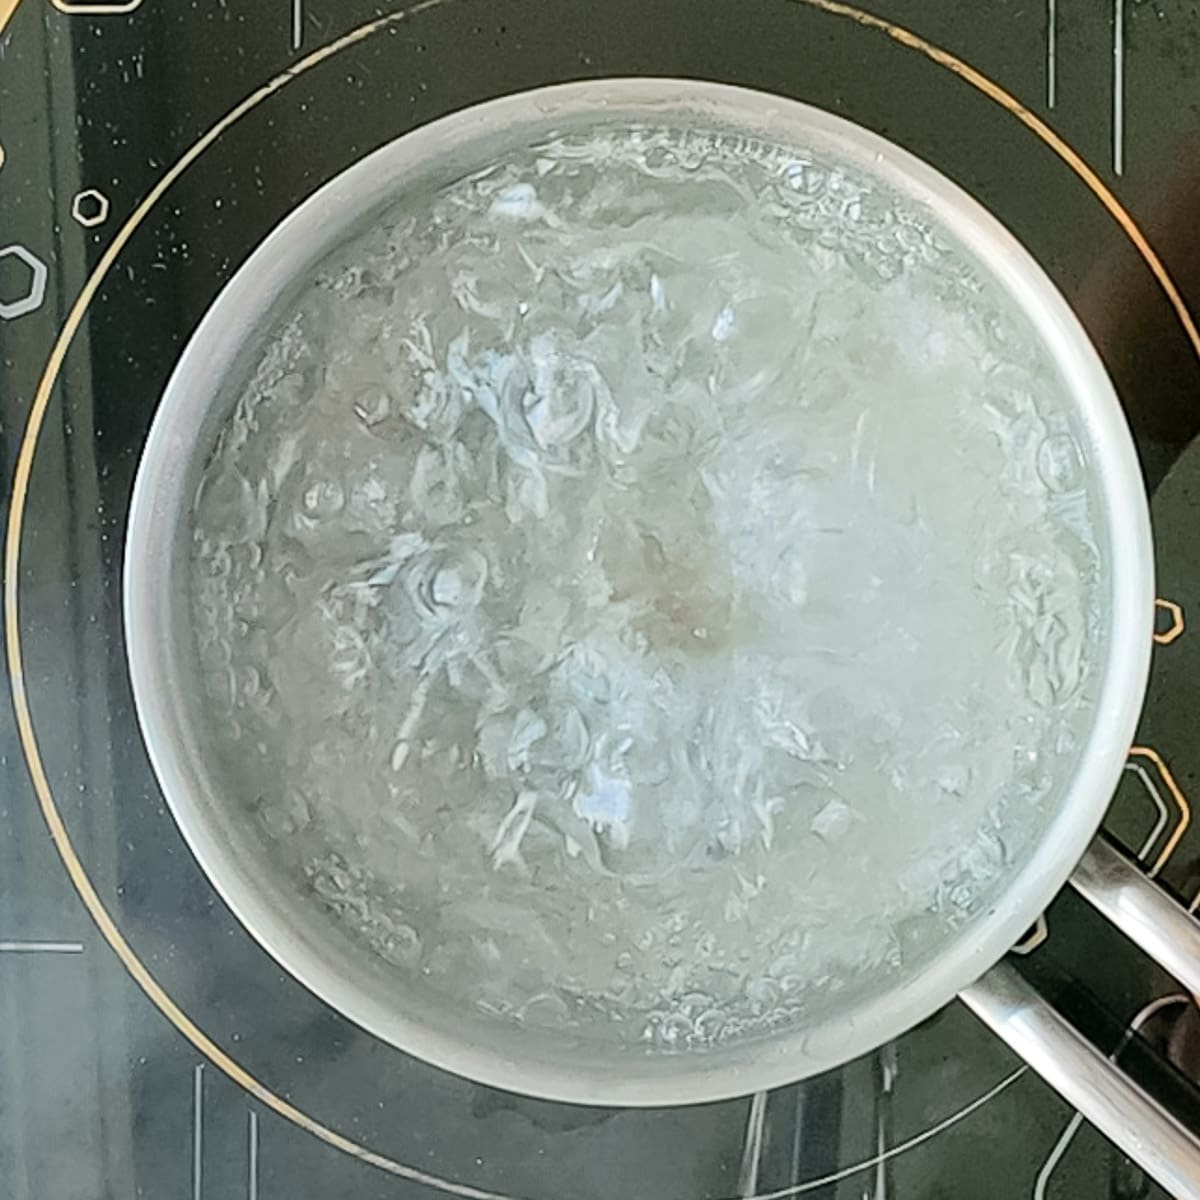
1051,53
1055,1157
1118,119
41,947
91,9
889,1069
1159,803
252,1157
824,1181
752,1145
198,1132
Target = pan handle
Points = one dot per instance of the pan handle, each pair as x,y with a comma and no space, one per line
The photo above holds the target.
1141,910
1093,1084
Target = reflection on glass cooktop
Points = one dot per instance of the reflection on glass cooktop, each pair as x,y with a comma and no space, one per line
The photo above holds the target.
149,1047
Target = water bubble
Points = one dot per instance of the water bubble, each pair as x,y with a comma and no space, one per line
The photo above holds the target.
372,406
401,944
323,498
1060,463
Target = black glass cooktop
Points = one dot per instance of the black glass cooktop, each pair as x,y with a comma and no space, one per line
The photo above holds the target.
148,1047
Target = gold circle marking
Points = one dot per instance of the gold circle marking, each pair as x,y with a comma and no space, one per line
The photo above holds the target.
12,547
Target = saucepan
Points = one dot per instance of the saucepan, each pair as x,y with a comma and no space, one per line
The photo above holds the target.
190,750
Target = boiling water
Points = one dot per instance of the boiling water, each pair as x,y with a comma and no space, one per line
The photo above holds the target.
650,584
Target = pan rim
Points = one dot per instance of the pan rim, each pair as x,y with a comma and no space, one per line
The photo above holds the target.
750,1066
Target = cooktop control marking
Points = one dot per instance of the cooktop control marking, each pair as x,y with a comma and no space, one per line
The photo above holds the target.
34,272
1174,613
90,208
91,8
1036,936
1149,767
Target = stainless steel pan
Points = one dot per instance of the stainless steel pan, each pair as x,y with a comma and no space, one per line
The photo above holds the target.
351,980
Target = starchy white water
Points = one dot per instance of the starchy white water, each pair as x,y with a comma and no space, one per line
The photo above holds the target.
651,585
